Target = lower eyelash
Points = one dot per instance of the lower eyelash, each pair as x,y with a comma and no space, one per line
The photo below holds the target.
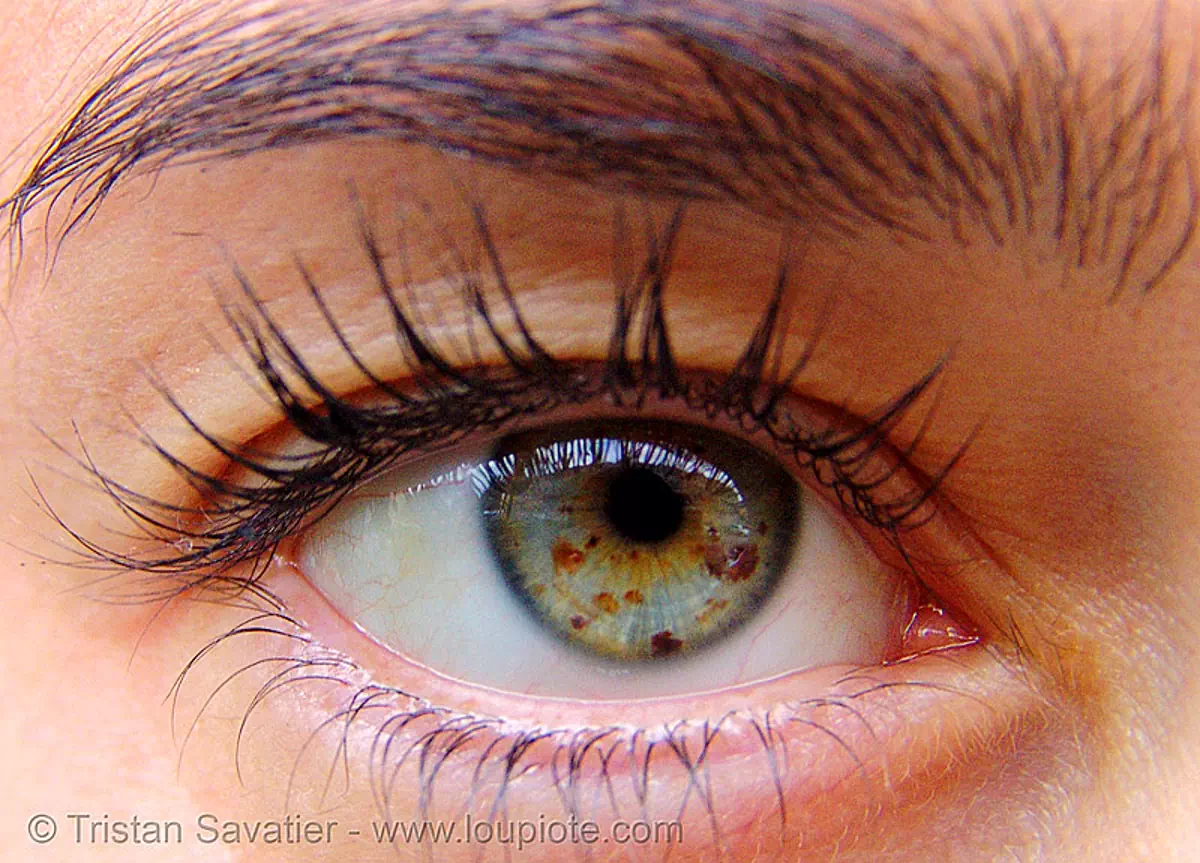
242,522
594,763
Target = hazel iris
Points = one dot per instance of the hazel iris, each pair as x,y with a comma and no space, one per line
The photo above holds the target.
637,540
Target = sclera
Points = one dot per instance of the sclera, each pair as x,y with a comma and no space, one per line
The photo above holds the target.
407,560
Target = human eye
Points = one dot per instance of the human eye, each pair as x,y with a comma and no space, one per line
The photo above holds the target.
319,315
406,538
605,559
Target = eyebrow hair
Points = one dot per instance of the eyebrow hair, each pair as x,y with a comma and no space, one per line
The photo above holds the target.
834,116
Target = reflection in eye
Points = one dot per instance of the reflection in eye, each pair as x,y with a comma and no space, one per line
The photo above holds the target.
612,557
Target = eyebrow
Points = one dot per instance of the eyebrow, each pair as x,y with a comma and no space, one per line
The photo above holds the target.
830,115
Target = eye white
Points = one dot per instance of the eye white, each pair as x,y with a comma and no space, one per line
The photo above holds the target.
408,560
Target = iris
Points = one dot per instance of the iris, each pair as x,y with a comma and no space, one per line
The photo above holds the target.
637,540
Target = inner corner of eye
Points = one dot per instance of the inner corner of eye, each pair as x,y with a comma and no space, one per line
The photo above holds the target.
601,559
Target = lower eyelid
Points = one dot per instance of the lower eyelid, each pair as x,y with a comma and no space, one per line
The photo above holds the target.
840,741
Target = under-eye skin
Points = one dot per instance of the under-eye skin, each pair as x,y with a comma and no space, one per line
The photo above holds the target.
263,506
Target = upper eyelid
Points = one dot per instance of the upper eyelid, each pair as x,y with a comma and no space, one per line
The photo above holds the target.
902,135
240,522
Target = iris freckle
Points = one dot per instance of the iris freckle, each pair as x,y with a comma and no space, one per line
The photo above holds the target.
642,506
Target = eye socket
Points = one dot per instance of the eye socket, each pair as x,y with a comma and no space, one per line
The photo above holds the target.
606,559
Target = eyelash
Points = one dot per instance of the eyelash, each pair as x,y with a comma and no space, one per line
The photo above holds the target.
240,522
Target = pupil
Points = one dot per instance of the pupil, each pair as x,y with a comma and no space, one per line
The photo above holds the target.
642,506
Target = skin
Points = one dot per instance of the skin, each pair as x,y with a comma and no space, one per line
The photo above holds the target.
1069,732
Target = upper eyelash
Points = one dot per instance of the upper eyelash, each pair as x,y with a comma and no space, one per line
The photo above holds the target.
239,522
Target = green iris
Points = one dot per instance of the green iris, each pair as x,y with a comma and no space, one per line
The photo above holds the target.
638,540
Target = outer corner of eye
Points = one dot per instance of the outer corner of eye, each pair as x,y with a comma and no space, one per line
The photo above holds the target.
613,559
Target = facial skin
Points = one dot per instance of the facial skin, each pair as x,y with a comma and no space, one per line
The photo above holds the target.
1006,188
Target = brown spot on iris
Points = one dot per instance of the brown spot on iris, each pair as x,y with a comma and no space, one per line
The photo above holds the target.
664,644
567,558
743,561
625,578
607,603
714,559
738,563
